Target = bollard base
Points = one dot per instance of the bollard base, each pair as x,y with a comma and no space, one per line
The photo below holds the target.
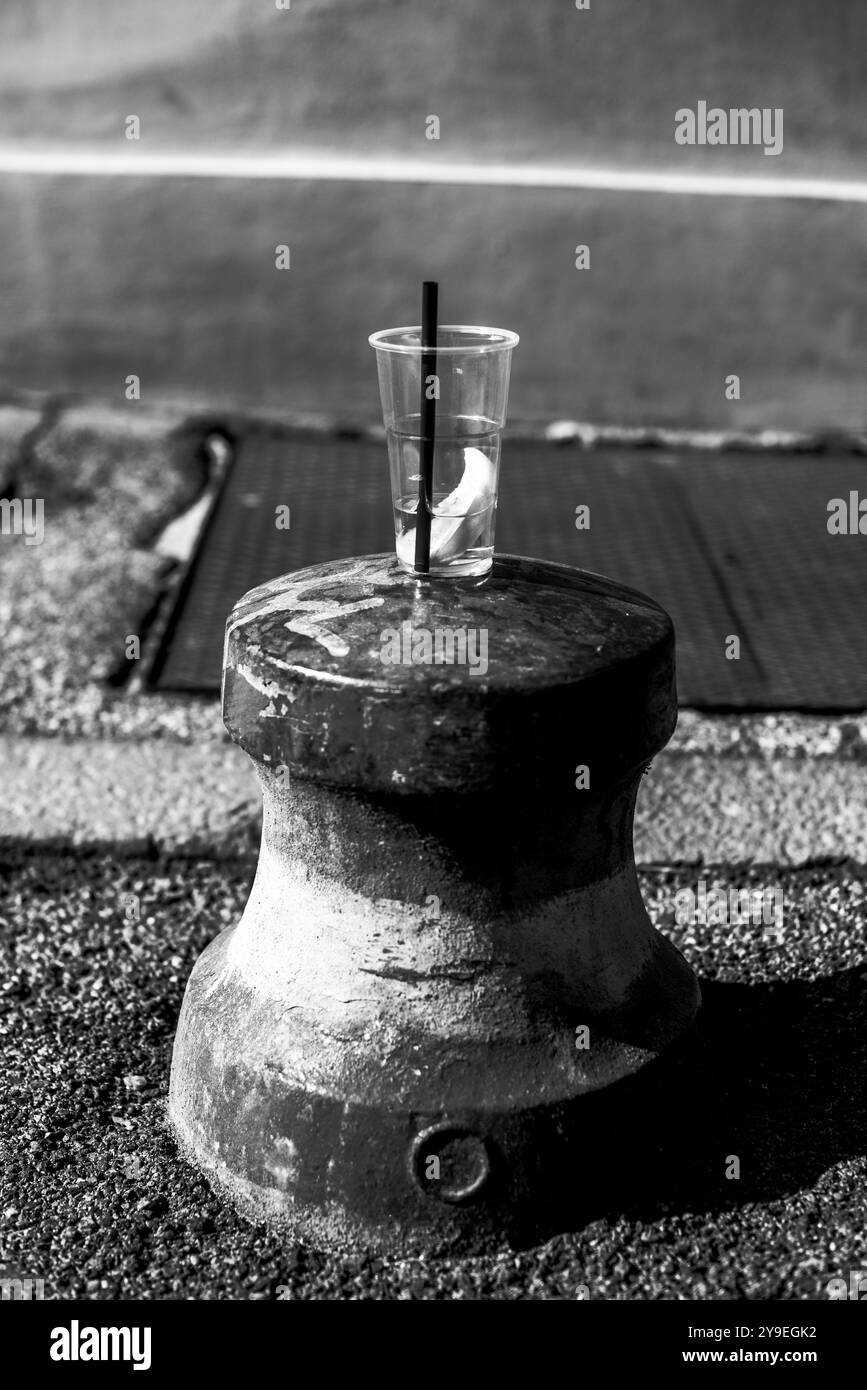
338,1174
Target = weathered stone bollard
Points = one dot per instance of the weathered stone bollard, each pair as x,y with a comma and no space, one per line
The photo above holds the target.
445,950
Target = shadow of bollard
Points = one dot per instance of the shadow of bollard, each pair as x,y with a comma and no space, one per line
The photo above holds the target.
772,1075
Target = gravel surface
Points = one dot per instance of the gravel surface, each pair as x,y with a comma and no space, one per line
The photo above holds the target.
94,1199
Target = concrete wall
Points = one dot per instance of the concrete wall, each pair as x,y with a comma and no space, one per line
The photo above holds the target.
536,81
173,279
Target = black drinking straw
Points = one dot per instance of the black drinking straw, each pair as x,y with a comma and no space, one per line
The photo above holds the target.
428,418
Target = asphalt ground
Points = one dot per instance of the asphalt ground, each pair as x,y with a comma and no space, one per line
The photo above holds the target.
95,1199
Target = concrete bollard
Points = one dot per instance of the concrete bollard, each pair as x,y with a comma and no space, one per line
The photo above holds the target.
445,953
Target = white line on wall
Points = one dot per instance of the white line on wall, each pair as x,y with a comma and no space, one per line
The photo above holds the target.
323,166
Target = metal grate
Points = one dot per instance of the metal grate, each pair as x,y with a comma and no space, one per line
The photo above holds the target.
729,544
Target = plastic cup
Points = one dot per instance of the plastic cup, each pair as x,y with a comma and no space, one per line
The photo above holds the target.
471,387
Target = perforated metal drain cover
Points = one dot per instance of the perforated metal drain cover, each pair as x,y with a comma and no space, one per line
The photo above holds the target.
732,545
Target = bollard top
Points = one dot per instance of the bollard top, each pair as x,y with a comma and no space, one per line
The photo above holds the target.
356,674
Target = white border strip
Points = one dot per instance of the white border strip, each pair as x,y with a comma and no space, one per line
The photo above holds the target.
135,162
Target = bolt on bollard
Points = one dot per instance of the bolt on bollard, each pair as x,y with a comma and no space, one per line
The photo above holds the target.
445,955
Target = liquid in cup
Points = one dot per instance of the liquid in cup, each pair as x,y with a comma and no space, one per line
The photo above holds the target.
472,373
464,503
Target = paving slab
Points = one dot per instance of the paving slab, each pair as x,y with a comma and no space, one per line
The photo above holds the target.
203,799
95,1200
143,796
695,808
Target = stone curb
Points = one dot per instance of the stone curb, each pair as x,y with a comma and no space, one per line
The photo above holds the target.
137,797
16,423
17,418
158,796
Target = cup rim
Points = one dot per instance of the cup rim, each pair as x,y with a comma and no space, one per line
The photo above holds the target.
508,339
